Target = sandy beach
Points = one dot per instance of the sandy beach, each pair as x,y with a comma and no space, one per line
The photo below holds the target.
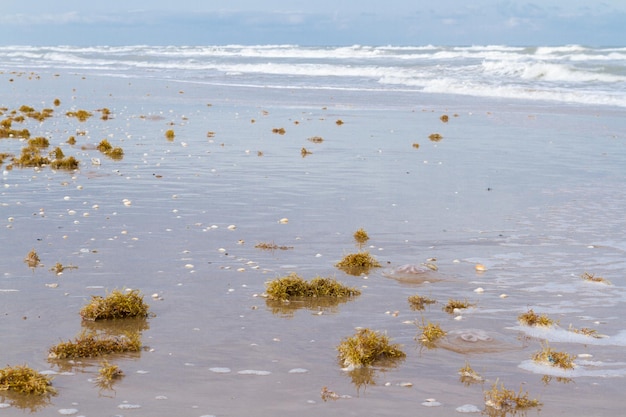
533,192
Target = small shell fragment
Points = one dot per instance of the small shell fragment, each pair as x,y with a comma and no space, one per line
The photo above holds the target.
479,290
232,227
480,268
284,220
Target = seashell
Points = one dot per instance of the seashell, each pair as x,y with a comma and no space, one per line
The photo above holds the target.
284,220
480,268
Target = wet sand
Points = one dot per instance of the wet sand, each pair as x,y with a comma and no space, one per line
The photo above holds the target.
536,194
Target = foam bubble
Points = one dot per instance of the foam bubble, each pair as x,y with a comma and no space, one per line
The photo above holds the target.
468,408
219,370
253,372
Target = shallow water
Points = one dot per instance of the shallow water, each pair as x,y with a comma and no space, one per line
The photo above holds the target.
535,194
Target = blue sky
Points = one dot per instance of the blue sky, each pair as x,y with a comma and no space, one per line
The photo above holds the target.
313,22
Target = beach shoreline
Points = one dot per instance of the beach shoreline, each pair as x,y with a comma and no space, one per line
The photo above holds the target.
531,190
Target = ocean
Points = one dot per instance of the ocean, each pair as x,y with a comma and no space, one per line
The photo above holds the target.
486,177
561,74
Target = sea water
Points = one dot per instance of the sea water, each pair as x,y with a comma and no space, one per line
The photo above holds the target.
527,180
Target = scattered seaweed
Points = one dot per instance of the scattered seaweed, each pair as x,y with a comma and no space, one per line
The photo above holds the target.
3,156
38,142
279,131
361,237
106,148
106,113
81,115
551,357
305,152
293,286
60,161
530,318
366,348
339,122
503,401
416,145
357,263
31,157
25,380
431,332
435,137
32,259
170,135
58,268
316,139
116,305
418,302
91,345
593,278
456,305
444,118
108,374
586,331
327,394
469,376
271,246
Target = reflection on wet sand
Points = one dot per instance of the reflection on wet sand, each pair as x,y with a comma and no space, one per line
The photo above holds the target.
473,341
414,274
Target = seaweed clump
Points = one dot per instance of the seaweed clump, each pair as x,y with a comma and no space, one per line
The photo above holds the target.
360,262
112,152
92,344
108,374
60,161
418,302
555,358
58,268
81,115
431,332
468,375
456,305
361,237
293,286
530,318
271,246
502,400
593,278
25,380
32,259
31,156
367,347
435,137
116,305
357,263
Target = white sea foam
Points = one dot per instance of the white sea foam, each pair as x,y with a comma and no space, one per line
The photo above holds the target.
581,369
253,372
557,334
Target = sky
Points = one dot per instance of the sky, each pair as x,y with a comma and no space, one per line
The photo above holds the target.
313,22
